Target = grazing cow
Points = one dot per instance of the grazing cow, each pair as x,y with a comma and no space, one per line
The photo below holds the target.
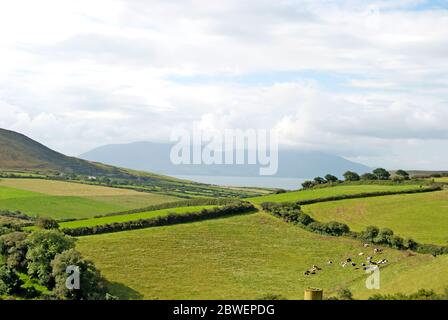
344,264
377,250
363,264
369,258
353,264
330,262
349,260
366,245
307,273
361,254
316,267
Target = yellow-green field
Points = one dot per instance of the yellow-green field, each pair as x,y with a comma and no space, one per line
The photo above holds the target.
241,257
423,217
310,194
65,200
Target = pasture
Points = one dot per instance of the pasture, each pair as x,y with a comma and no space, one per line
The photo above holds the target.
65,200
240,257
131,217
340,190
423,217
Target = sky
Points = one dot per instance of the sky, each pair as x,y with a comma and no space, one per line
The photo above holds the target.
366,80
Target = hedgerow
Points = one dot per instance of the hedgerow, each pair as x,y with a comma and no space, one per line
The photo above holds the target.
170,219
291,213
367,195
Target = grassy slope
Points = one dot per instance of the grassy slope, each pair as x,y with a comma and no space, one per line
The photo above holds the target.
423,217
63,200
243,257
329,192
131,217
409,276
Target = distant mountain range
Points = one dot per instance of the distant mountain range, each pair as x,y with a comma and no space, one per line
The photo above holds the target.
155,157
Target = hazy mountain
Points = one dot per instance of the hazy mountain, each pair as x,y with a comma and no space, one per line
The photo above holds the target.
155,157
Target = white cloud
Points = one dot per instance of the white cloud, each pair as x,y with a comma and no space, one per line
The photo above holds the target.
368,80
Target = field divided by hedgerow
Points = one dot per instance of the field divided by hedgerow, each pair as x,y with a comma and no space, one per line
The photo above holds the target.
239,257
423,217
340,190
130,217
64,200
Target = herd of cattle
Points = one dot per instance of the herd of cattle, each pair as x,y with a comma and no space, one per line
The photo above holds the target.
349,262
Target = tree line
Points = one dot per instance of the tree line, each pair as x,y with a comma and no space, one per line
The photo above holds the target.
379,174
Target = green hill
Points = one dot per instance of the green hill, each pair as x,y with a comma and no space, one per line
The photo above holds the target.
18,152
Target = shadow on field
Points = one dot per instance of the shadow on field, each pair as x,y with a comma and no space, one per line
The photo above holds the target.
123,292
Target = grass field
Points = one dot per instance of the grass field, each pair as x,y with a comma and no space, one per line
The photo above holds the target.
423,217
131,217
444,179
64,200
241,257
329,192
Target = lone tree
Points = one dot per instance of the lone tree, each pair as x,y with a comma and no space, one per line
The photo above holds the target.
43,246
308,184
47,223
320,180
403,174
331,178
351,176
382,174
92,284
369,176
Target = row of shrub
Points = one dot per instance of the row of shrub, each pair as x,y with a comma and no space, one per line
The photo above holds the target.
170,219
166,205
291,213
176,204
412,181
368,194
15,214
422,294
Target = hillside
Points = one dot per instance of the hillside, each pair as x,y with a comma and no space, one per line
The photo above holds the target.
155,157
18,152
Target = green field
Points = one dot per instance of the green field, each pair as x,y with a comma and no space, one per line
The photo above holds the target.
64,200
241,257
130,217
317,193
423,217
